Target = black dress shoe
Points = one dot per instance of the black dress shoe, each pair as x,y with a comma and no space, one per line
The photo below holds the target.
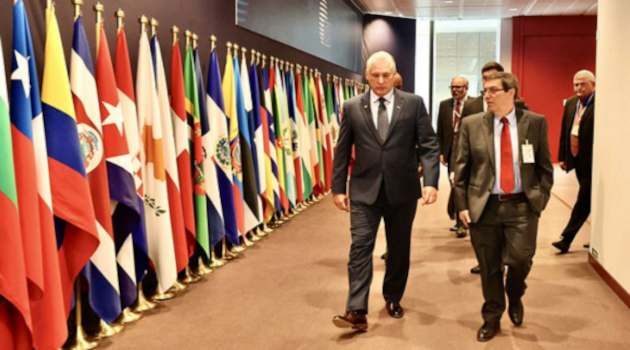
562,246
454,228
461,232
475,270
352,319
395,310
488,331
516,312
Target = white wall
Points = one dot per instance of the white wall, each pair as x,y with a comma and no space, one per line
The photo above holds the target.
611,189
505,46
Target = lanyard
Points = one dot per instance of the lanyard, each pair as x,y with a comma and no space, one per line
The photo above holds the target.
577,107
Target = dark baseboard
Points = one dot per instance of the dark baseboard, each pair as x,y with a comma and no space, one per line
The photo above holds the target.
610,281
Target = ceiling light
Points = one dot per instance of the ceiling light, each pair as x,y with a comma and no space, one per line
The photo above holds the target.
514,9
448,1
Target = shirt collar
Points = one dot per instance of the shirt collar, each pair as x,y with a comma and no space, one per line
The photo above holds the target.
462,100
511,117
388,96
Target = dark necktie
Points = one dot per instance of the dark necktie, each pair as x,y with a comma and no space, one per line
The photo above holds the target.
382,123
458,116
507,160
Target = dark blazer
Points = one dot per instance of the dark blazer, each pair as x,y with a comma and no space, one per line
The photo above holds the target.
393,162
585,137
474,166
445,127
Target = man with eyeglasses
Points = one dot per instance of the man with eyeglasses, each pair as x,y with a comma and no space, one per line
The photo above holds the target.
576,151
503,180
449,118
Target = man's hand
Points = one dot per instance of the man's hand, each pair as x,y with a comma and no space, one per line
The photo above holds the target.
464,216
341,201
429,195
442,160
563,166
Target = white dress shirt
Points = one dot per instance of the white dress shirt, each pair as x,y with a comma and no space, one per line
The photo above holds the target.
498,127
374,104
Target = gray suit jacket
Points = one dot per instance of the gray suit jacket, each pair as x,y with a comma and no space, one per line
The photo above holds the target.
393,162
474,165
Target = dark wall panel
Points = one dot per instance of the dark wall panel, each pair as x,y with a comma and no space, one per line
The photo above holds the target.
396,36
205,17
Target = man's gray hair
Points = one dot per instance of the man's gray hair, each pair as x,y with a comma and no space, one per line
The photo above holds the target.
460,78
585,74
378,56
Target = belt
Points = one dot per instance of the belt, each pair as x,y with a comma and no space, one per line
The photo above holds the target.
508,197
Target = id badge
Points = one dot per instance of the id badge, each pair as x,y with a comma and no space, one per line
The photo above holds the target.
528,153
575,130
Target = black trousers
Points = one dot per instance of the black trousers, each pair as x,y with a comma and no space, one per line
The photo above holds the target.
504,235
364,223
582,208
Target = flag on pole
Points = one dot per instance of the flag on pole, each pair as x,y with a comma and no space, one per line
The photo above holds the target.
122,190
305,139
259,140
15,311
102,270
156,204
287,139
269,139
326,109
311,111
231,112
216,225
75,222
334,118
295,137
199,183
276,97
127,97
182,146
220,149
244,108
170,160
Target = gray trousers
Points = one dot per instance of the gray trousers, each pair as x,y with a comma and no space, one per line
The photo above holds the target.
504,235
364,223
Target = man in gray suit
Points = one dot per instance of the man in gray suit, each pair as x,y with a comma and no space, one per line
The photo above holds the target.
384,125
503,179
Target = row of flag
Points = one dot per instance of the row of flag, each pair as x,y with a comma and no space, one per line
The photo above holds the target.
105,178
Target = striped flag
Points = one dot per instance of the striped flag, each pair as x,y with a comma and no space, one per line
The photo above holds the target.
75,222
229,96
102,270
275,85
156,205
182,146
220,148
259,140
49,330
244,108
122,190
288,139
170,161
127,97
310,108
15,311
216,226
271,167
326,108
305,138
295,137
319,166
334,117
199,183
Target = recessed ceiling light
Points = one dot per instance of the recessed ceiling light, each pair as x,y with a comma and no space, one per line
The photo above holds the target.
448,1
514,9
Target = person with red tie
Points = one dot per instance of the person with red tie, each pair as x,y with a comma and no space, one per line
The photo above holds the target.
503,180
449,117
576,151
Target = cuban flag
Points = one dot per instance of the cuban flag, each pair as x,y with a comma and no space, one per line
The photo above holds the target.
102,270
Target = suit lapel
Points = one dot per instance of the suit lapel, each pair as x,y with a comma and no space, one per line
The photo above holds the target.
488,133
367,115
522,127
398,104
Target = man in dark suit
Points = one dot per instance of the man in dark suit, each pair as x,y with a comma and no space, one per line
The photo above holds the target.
576,151
449,117
503,179
384,125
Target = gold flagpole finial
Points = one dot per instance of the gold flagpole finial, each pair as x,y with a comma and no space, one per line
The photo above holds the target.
282,64
213,42
253,56
264,60
98,8
229,48
175,32
154,25
144,20
292,67
244,52
195,40
327,77
120,18
235,47
258,54
299,68
272,61
188,35
77,8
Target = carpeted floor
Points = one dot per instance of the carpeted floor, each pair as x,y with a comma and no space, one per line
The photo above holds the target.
283,292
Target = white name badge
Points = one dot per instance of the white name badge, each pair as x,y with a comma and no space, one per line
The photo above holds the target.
528,153
575,130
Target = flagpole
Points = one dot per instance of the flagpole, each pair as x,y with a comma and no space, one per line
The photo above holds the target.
80,340
120,18
98,8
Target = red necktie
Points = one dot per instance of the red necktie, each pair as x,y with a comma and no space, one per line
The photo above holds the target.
458,116
507,160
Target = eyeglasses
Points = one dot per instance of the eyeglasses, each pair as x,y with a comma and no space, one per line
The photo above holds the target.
490,92
455,87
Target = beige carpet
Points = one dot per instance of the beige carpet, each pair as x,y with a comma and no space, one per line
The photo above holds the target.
283,292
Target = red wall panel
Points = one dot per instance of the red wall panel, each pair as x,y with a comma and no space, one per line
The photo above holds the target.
546,53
